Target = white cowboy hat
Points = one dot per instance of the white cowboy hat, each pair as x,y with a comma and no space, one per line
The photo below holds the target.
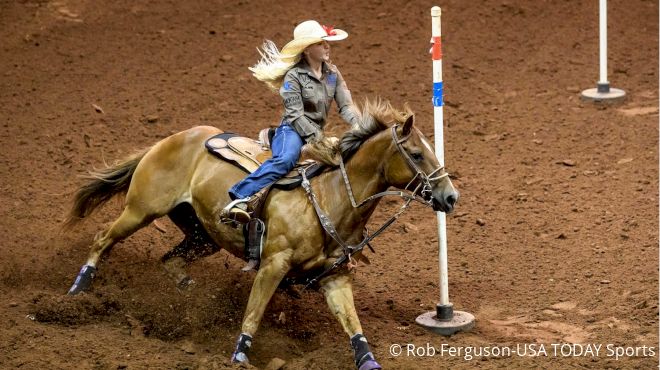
308,33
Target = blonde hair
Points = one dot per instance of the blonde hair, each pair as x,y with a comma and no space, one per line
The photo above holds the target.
273,65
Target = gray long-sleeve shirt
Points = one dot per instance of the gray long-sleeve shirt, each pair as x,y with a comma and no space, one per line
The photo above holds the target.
307,99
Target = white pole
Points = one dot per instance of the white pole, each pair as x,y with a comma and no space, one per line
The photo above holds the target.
603,92
603,42
438,113
444,320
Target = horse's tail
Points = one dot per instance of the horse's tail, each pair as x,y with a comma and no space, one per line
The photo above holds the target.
102,185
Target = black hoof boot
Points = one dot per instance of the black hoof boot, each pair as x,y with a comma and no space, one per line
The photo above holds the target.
83,280
364,359
242,346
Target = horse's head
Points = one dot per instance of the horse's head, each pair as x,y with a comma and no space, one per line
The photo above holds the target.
407,159
414,166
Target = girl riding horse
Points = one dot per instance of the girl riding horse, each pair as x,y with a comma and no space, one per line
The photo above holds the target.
308,83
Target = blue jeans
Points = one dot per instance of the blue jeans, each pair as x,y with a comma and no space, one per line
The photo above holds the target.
286,146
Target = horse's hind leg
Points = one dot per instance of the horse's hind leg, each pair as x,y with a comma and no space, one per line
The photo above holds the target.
128,222
196,244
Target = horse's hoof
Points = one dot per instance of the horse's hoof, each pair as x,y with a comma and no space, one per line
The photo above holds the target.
292,292
370,365
83,280
239,357
185,284
251,265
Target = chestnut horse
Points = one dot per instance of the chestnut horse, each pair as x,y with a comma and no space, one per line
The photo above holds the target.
179,178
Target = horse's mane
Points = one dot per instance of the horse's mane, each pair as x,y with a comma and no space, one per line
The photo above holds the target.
374,117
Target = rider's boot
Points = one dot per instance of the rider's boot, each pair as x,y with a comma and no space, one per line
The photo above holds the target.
237,210
241,210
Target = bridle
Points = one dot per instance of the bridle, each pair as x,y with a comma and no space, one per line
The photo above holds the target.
425,196
424,187
426,191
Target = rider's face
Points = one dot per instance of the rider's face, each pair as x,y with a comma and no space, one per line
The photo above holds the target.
319,52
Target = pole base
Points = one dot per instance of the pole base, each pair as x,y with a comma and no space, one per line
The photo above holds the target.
459,321
604,94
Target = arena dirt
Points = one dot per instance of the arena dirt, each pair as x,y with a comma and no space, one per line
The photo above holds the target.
555,239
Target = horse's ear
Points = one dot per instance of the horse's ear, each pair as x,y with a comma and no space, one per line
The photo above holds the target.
407,127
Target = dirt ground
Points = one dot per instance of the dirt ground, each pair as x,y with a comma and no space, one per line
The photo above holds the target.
555,238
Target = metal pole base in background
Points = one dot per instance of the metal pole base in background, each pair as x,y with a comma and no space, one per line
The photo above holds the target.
445,321
604,93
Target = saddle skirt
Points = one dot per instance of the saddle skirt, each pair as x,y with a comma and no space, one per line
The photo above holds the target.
249,154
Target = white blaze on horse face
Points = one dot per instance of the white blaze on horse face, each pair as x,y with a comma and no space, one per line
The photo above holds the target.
426,144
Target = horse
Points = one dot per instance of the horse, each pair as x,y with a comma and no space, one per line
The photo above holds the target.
310,231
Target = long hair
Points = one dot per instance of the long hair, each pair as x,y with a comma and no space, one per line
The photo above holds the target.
272,67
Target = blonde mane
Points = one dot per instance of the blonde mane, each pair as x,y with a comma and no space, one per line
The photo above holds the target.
375,116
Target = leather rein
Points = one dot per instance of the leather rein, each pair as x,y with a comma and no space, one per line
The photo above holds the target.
424,187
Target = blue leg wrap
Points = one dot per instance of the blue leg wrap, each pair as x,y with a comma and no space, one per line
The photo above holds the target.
83,280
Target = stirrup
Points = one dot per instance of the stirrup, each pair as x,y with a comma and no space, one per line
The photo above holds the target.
234,212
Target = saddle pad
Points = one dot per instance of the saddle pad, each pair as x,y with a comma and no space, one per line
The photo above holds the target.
249,154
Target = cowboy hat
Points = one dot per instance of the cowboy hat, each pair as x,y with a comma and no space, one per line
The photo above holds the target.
308,33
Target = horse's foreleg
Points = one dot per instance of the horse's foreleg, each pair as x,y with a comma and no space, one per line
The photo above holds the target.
338,291
269,276
176,269
190,249
196,244
129,222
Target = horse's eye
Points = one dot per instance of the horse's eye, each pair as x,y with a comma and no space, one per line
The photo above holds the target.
417,156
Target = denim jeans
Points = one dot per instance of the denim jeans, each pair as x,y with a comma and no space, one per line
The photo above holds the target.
286,146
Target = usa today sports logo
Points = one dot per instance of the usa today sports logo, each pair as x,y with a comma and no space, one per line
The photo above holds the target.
522,350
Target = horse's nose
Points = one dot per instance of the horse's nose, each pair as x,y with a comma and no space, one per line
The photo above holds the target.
451,199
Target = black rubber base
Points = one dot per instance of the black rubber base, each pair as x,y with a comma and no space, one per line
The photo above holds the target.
444,312
460,321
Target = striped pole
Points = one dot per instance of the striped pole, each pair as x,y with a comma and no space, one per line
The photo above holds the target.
603,91
444,320
438,119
